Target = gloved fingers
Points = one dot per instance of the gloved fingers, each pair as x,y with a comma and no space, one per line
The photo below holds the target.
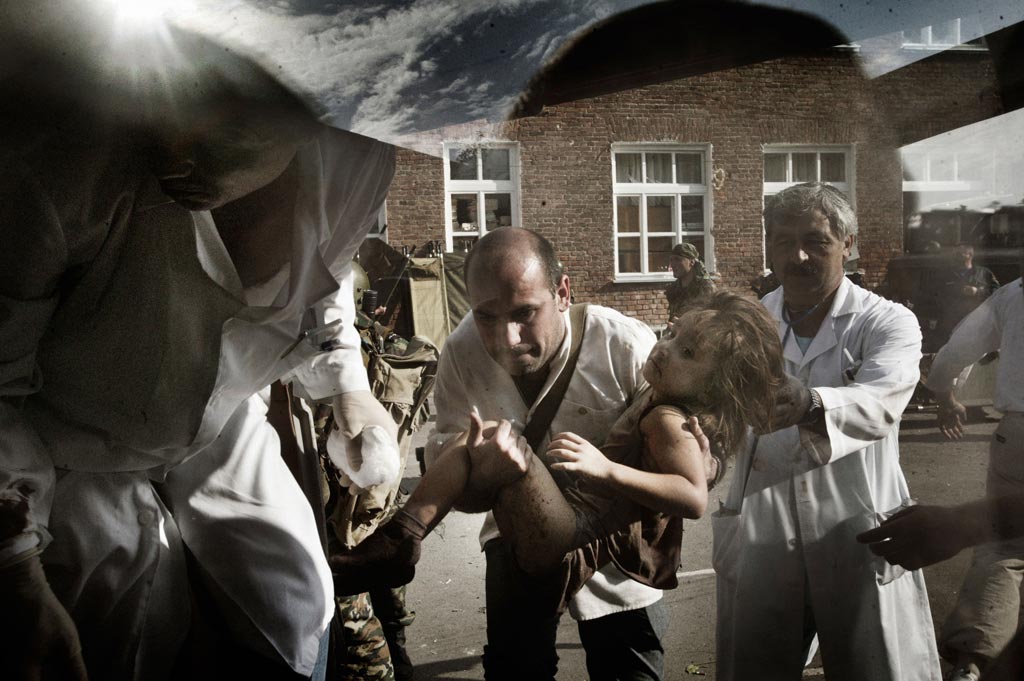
354,411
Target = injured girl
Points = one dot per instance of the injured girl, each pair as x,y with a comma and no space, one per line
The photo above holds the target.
624,503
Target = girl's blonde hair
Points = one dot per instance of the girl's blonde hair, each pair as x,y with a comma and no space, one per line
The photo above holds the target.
744,342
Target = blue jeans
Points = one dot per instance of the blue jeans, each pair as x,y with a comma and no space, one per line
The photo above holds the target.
320,667
521,631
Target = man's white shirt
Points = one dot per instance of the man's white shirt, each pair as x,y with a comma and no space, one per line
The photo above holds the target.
607,378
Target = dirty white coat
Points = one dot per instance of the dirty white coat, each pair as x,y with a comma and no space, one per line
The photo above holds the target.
130,424
787,561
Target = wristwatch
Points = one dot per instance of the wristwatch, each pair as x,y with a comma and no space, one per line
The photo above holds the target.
814,412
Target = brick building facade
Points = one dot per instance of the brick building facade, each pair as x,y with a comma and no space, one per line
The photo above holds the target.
698,155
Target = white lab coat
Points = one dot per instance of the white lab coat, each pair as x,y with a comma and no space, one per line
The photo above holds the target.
785,551
145,430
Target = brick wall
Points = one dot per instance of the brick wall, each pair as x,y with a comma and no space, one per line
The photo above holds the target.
565,154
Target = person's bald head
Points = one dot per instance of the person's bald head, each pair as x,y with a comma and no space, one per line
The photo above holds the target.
518,295
501,247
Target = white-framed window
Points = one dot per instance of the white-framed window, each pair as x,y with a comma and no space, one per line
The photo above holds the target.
942,169
940,36
661,198
481,190
789,164
380,228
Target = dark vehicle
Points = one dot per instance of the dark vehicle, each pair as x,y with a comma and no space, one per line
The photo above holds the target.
920,277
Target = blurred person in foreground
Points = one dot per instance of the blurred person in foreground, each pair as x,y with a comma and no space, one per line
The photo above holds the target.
986,614
153,282
920,536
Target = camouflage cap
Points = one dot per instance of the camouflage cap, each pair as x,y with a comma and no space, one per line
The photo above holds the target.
685,250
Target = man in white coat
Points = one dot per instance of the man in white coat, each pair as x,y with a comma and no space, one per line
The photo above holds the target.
137,333
788,564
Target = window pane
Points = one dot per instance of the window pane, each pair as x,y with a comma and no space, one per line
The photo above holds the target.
628,209
462,244
380,225
659,213
497,210
698,242
774,167
692,213
659,248
833,167
945,33
690,168
627,168
914,167
496,164
805,167
464,213
629,254
943,168
917,36
974,167
463,163
659,168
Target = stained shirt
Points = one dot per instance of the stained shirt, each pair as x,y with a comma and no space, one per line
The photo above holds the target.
606,380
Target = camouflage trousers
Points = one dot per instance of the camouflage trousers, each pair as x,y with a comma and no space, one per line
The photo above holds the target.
370,637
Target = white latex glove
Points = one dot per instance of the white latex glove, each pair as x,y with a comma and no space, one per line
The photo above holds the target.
364,442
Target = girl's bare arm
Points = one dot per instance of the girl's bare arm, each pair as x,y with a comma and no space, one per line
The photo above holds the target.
676,482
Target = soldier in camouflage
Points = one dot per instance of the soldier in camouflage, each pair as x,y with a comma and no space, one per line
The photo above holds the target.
368,639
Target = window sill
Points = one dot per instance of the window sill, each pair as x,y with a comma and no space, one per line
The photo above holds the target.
652,278
642,279
921,47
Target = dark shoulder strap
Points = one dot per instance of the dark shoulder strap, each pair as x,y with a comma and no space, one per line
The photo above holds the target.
545,412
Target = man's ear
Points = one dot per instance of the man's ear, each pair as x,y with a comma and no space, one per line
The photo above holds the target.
563,294
848,245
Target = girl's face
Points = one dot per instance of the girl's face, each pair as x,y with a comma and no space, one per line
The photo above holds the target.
679,367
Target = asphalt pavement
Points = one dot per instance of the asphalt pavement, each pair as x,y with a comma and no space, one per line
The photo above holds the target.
448,635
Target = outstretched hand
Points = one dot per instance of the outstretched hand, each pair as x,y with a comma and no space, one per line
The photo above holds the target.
917,537
791,404
499,456
952,416
574,454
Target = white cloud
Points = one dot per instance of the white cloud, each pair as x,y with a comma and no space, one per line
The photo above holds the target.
381,69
